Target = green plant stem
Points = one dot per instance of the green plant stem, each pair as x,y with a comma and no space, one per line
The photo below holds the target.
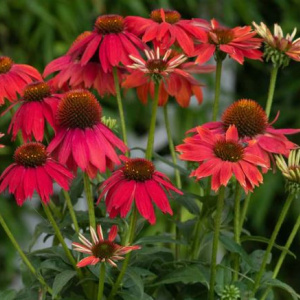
71,210
89,199
130,239
120,105
213,265
272,241
244,211
237,198
56,211
196,240
23,256
217,89
101,281
271,89
152,123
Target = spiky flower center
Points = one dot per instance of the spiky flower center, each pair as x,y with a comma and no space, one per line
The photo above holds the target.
80,37
31,155
36,91
138,169
109,24
78,109
156,65
104,249
221,36
171,16
248,116
228,150
5,64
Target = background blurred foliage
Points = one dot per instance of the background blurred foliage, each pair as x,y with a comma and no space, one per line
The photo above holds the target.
37,31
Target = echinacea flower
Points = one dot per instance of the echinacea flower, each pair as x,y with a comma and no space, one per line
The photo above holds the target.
34,170
74,75
137,181
101,250
38,105
164,28
238,42
172,74
110,41
252,123
81,139
222,156
13,78
279,48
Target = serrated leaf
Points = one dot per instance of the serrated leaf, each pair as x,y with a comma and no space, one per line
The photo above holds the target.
279,284
61,280
8,295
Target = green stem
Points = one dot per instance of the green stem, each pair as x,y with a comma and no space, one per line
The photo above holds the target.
152,123
132,226
101,281
89,199
244,211
55,209
217,89
271,89
23,256
196,240
213,266
120,105
272,241
71,210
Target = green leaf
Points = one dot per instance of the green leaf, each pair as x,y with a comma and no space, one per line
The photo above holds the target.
158,239
8,295
188,202
134,283
279,284
61,280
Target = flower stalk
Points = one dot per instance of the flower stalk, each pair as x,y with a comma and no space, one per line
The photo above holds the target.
71,210
217,88
101,281
272,85
90,200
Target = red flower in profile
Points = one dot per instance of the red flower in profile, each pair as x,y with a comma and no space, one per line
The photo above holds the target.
81,139
238,42
72,74
13,78
251,122
101,250
33,170
173,74
110,41
164,28
37,105
222,156
137,180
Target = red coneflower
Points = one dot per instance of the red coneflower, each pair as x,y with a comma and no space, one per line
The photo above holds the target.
238,42
164,28
37,105
81,139
13,78
33,170
110,41
137,180
221,156
101,250
173,74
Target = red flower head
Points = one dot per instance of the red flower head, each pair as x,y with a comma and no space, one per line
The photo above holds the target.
13,78
171,72
110,41
221,156
251,122
238,42
72,73
37,105
81,139
101,250
33,170
164,28
137,180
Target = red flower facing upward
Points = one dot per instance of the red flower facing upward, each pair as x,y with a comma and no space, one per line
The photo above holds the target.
81,139
37,105
238,42
164,28
222,156
33,170
173,74
14,77
137,180
72,74
110,41
101,250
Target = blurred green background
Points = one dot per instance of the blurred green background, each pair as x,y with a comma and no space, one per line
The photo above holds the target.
36,31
